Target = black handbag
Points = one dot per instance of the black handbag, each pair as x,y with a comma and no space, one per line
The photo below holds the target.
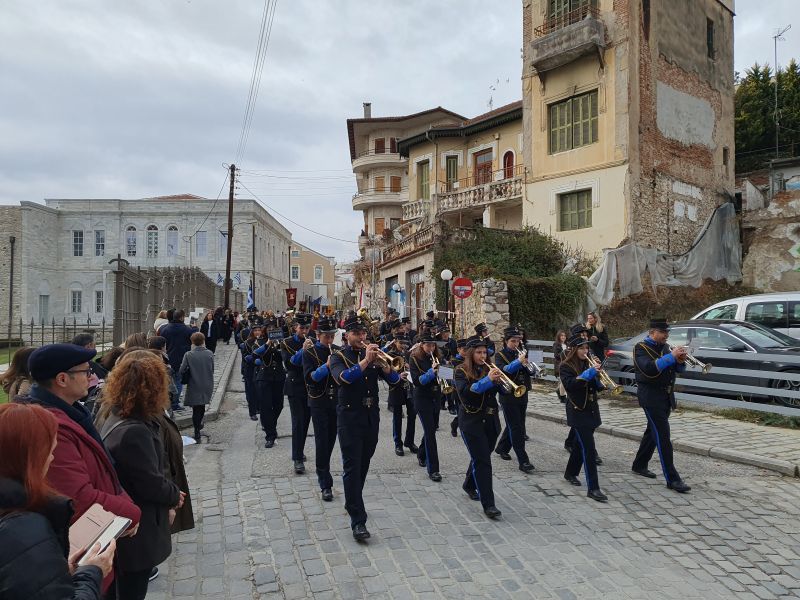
185,376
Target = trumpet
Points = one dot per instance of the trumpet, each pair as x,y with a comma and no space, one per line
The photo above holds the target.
605,378
534,369
396,363
508,386
445,385
691,360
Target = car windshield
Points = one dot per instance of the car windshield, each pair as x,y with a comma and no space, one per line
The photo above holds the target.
760,336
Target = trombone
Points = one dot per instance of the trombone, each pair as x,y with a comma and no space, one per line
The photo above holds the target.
444,385
508,386
690,359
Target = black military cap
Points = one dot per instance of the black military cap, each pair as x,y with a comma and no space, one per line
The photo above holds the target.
512,331
461,343
476,342
303,319
578,329
327,325
481,327
406,319
353,323
395,323
430,315
577,340
659,323
48,361
427,335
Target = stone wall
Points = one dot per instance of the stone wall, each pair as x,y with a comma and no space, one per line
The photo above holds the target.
772,263
487,304
10,226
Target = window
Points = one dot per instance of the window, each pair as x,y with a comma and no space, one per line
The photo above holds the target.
483,167
720,312
317,273
152,241
223,244
646,18
769,314
394,223
77,243
679,336
794,314
380,145
98,301
99,242
451,172
44,307
380,225
393,145
575,210
395,183
726,154
508,165
710,38
130,241
201,244
423,180
705,337
76,300
565,12
379,184
295,253
573,122
172,241
295,272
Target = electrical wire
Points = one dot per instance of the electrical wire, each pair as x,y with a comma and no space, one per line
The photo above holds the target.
213,206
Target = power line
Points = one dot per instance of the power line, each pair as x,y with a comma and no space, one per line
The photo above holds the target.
213,206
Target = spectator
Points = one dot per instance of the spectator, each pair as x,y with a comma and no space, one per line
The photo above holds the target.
110,358
210,327
228,325
598,336
178,336
161,320
86,340
559,352
135,397
136,340
34,519
199,362
16,381
159,345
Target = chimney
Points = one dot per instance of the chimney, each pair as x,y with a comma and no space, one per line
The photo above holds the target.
367,110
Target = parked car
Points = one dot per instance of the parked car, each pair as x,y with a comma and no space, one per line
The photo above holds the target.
779,311
732,348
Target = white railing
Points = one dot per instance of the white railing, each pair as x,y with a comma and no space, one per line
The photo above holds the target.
416,210
480,195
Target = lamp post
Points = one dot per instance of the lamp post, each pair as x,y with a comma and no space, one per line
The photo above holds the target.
396,288
446,276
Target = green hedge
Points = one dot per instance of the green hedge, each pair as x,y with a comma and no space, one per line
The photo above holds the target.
543,305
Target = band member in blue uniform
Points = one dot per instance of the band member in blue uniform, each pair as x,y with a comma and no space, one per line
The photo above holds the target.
656,367
458,358
513,436
448,350
356,369
292,353
581,331
479,422
580,379
269,378
427,400
247,344
400,397
482,331
322,401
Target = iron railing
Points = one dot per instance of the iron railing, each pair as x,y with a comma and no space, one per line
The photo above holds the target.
20,333
554,23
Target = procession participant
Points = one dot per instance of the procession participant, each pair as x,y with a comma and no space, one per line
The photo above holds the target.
478,421
356,369
408,331
656,367
400,397
579,330
247,346
386,326
513,435
482,331
580,378
269,378
458,359
321,389
423,367
447,348
292,349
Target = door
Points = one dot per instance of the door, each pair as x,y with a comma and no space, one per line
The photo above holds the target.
451,172
508,165
380,145
419,311
708,339
483,167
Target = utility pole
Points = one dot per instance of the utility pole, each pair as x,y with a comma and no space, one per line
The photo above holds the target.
778,38
228,282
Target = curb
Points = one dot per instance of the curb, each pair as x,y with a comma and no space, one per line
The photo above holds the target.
745,458
185,420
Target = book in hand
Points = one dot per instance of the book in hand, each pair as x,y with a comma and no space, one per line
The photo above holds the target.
96,525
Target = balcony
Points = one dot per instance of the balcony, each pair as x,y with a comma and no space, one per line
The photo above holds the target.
563,39
416,210
369,198
371,160
417,242
479,191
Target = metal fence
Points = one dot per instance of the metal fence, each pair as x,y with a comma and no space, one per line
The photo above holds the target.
20,333
714,382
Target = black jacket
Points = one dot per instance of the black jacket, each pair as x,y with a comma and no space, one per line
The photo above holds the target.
295,385
582,408
598,348
178,336
655,383
418,368
325,389
141,463
33,551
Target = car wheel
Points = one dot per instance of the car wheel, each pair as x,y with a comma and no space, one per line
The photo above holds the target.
789,385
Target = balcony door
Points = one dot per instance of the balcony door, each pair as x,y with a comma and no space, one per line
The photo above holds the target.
483,167
451,172
508,165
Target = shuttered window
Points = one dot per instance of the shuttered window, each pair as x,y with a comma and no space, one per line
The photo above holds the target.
573,123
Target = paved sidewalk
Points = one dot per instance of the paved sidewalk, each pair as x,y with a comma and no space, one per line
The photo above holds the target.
224,360
705,433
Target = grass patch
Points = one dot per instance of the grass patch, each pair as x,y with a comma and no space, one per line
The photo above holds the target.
754,416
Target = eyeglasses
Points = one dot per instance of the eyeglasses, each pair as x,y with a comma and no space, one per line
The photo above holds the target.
86,372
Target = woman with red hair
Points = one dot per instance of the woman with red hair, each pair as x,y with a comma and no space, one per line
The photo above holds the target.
34,520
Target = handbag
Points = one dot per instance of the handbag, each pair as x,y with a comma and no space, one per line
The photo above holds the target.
185,376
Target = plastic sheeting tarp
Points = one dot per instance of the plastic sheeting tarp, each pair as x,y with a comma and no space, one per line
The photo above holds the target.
715,254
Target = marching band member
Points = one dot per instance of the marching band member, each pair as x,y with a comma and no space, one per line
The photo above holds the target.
427,400
448,350
458,358
580,331
400,397
515,367
656,368
269,378
292,349
322,401
579,377
356,369
482,331
479,421
247,344
409,333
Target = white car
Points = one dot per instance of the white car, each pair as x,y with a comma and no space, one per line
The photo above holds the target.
779,311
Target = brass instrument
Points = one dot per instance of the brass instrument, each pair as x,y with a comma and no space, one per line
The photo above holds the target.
396,363
691,360
534,369
444,385
508,386
605,378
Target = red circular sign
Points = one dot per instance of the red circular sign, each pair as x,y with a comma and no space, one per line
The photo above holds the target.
462,287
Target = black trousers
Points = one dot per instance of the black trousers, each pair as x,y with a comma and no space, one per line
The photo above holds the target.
358,438
250,392
513,435
323,414
301,417
270,405
479,432
583,454
570,440
657,436
397,423
427,410
129,586
211,344
198,412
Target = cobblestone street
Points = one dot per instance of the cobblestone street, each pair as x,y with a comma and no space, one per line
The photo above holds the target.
263,532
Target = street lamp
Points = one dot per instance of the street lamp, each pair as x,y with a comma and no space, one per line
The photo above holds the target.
396,288
446,276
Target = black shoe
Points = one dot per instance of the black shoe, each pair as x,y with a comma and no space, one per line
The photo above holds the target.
563,399
573,480
153,574
413,448
473,494
435,477
644,472
492,512
399,451
527,438
503,455
299,467
303,458
197,435
422,462
452,410
598,460
253,417
360,532
454,428
568,448
269,443
679,486
527,467
327,494
597,495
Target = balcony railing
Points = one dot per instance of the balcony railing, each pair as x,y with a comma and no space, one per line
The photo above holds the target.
374,197
552,24
416,210
479,195
481,178
421,240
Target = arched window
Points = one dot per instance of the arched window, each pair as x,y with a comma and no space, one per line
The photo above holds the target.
172,240
130,240
508,165
152,241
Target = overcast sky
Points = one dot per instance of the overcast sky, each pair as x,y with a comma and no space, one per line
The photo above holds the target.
138,98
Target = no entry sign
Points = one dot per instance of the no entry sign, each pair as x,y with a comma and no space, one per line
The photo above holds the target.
462,288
